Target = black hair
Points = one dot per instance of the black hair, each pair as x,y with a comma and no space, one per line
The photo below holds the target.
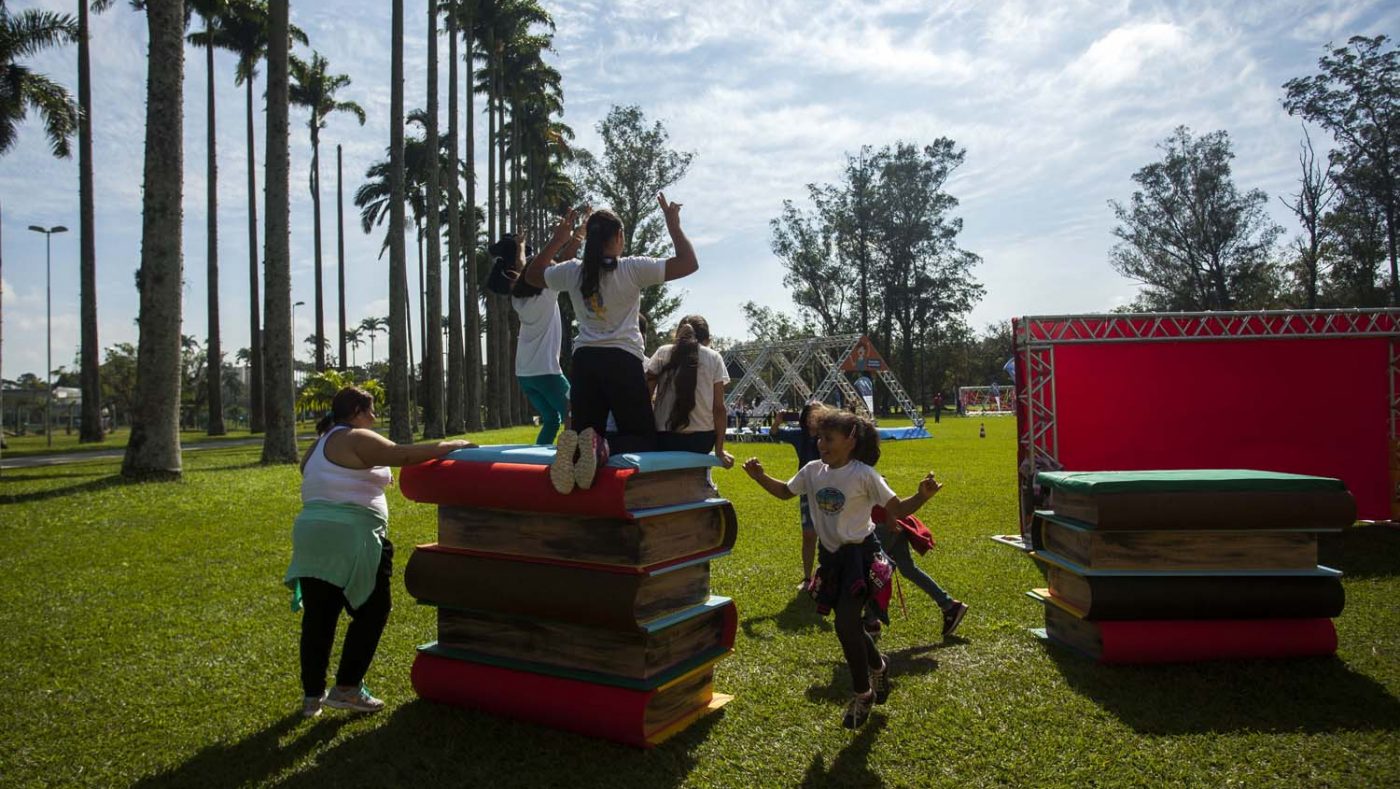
681,371
344,406
810,409
867,438
603,226
503,279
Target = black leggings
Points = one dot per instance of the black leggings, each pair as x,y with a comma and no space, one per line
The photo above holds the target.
856,644
607,380
322,603
701,442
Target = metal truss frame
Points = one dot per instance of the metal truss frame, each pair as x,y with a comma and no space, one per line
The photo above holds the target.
790,358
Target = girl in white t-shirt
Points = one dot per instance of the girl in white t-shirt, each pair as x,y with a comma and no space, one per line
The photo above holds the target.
606,291
541,336
689,399
843,486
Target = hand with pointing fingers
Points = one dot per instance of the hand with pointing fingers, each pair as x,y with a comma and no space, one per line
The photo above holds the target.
672,211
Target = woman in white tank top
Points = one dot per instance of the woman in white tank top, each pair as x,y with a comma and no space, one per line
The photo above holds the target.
341,555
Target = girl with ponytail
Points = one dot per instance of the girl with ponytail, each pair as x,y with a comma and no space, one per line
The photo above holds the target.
690,379
607,373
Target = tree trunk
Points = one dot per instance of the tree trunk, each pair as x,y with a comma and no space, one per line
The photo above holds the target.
316,243
432,345
493,209
90,428
154,447
280,443
214,357
456,390
399,429
473,301
340,247
255,349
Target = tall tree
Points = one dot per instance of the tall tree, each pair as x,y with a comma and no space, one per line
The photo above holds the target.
472,304
315,88
345,333
1356,97
24,35
1354,275
212,12
90,427
1316,191
280,442
432,343
820,283
243,30
1190,236
456,360
153,449
399,429
636,163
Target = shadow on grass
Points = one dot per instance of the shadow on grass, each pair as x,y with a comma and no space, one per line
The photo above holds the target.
1369,551
1313,695
798,615
851,766
12,478
427,744
101,483
251,760
903,663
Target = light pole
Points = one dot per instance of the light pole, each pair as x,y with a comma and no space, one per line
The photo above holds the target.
48,317
294,329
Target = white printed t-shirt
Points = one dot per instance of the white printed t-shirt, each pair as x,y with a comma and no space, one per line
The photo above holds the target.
710,370
609,318
541,334
840,500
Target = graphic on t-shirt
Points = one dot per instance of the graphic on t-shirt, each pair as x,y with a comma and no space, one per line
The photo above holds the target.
595,306
831,500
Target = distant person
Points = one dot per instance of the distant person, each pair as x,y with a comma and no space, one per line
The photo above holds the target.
937,407
606,292
689,403
803,440
341,555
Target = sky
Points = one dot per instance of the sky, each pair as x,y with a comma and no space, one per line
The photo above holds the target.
1056,104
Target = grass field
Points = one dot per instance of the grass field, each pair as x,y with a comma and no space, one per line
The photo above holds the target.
148,641
65,443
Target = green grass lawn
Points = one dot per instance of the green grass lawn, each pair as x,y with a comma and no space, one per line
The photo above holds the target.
65,443
148,641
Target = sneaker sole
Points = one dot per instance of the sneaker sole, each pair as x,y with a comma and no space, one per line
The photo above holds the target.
587,466
561,470
343,705
957,620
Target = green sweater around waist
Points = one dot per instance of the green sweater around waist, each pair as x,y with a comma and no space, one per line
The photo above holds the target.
339,544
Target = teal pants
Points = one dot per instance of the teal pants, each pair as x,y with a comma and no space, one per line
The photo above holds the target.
549,394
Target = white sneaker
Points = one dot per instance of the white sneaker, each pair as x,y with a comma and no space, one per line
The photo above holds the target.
587,466
358,700
311,705
561,471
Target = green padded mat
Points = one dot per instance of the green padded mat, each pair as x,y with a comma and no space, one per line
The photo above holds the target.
1095,483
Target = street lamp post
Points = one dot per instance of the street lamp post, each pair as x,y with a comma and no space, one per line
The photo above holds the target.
48,317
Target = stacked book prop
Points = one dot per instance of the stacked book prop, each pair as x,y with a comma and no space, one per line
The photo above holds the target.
589,612
1177,566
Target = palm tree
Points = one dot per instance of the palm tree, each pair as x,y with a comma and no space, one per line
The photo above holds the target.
90,427
153,449
280,443
399,429
432,315
352,339
340,247
243,30
24,35
212,12
456,390
314,87
372,327
468,13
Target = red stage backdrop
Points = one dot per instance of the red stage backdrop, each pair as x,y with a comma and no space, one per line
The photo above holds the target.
1304,392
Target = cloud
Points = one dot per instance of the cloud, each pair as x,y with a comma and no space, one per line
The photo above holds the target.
1124,53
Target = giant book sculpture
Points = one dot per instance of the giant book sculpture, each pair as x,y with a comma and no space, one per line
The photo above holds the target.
1171,566
589,612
